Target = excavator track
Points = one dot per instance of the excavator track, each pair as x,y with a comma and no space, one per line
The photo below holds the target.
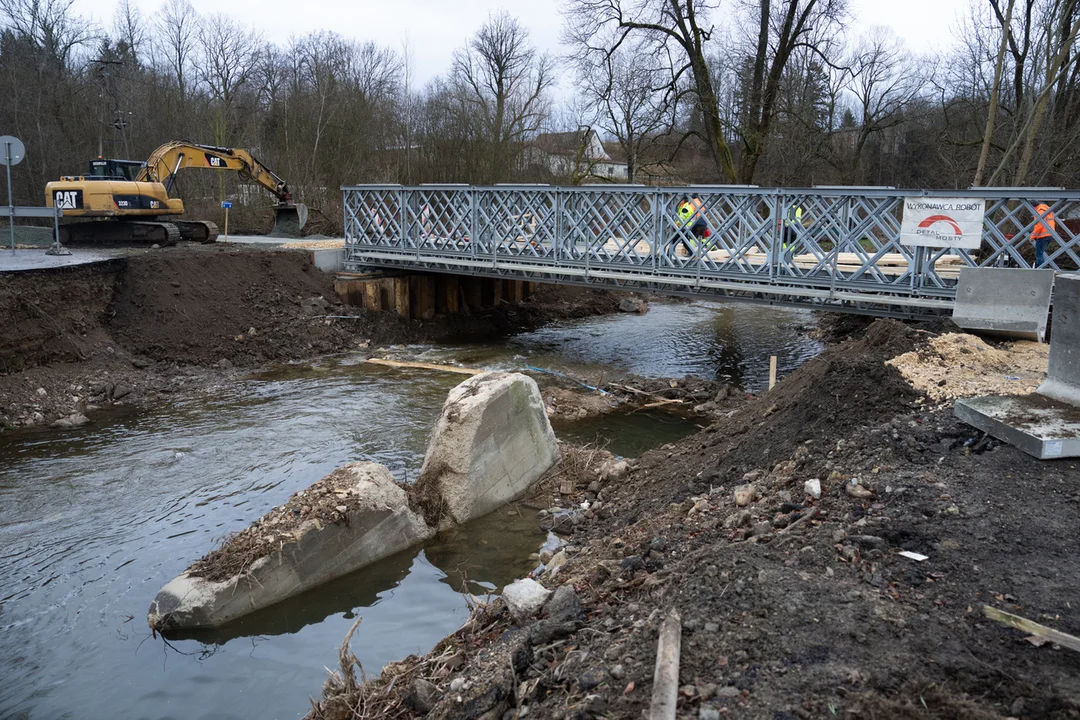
119,233
200,231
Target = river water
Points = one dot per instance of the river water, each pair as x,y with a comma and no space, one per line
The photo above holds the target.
93,521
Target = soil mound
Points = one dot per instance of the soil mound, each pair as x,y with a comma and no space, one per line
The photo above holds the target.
201,307
828,398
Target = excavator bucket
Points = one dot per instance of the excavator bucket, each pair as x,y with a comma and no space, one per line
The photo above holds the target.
289,220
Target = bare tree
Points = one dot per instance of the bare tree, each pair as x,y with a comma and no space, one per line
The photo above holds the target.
683,22
884,81
630,92
502,81
129,29
178,31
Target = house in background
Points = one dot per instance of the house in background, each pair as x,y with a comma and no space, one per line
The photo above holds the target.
577,156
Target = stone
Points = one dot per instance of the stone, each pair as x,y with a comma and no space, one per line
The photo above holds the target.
543,632
491,442
872,542
557,561
422,696
762,528
738,520
380,526
857,491
633,305
457,684
617,672
712,628
632,564
120,391
614,470
591,678
564,605
812,487
524,598
42,392
728,691
745,494
708,713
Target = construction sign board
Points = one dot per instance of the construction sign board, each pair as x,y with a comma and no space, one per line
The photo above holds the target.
942,222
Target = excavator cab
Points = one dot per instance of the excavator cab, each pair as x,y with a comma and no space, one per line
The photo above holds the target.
115,169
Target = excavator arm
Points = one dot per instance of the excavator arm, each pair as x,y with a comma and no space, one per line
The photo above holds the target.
170,158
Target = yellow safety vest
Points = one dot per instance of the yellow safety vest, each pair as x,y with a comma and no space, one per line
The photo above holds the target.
688,211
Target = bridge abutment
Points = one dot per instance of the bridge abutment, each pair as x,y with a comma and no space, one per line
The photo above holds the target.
422,296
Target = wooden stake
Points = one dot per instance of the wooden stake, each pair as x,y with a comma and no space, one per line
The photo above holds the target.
423,366
666,674
1040,631
772,371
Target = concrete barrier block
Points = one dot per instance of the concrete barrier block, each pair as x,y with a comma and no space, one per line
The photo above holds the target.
329,260
491,442
377,524
1005,302
1063,375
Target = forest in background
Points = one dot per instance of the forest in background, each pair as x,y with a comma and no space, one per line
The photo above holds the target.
768,92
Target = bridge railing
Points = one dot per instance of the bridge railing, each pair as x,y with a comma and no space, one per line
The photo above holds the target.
846,239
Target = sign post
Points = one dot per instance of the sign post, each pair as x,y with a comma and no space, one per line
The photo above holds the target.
13,154
226,205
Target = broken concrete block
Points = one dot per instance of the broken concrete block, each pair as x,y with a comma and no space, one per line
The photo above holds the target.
492,441
284,554
524,598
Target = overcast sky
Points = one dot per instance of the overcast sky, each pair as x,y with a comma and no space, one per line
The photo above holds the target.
434,28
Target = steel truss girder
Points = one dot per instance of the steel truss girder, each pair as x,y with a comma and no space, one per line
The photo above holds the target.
845,255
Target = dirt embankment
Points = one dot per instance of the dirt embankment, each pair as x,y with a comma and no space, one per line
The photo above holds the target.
792,606
153,322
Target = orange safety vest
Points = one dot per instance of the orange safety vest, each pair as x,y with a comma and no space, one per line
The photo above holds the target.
1041,229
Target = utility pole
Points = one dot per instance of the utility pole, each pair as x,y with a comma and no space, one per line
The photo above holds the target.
108,91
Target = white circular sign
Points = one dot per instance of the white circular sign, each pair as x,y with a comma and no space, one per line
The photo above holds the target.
11,147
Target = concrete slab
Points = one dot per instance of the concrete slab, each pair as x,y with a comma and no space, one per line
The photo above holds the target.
1004,302
380,525
492,441
22,260
1038,425
1063,375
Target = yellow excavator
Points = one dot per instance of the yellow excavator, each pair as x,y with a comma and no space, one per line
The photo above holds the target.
127,201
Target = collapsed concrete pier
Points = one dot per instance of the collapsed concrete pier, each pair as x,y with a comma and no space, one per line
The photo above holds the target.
491,442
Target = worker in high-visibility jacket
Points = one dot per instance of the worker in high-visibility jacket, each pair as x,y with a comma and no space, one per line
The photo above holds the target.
690,216
793,225
1043,231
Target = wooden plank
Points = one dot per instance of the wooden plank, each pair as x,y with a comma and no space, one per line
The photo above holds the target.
453,304
665,695
772,371
423,366
425,295
371,295
401,297
1033,628
474,291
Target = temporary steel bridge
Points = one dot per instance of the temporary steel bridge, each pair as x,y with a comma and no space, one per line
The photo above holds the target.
844,254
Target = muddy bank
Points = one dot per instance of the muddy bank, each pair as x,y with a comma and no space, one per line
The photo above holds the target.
793,605
154,322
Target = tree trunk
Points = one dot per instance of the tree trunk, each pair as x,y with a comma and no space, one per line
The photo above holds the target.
995,93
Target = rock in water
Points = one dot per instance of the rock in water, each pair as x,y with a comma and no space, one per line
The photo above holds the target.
492,441
524,598
633,305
